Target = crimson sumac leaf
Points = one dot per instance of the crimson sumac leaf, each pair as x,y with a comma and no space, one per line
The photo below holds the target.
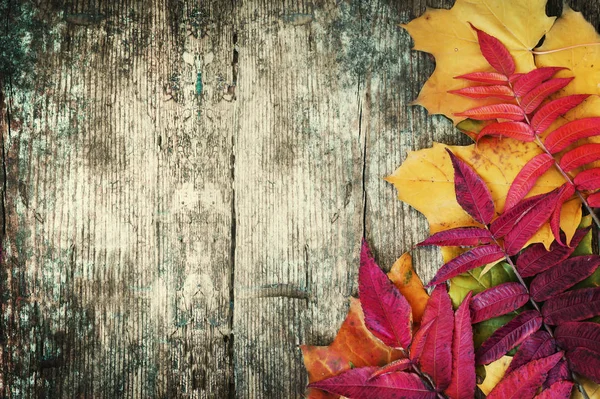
549,112
593,200
471,192
566,191
436,359
588,179
515,130
560,372
419,340
461,236
495,53
535,259
395,366
537,346
493,78
509,336
355,383
495,111
534,98
462,385
580,156
476,257
579,334
570,132
572,306
533,79
558,390
524,382
527,177
563,276
497,301
388,314
585,362
499,91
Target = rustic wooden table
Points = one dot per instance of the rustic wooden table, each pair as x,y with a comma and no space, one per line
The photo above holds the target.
186,184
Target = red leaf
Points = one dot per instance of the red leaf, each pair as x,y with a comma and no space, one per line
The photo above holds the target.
535,259
580,156
548,113
527,177
572,306
471,192
560,372
515,130
570,132
436,359
588,179
593,200
495,53
507,220
419,340
355,383
514,78
469,260
462,236
462,385
524,382
563,276
498,91
508,336
534,98
585,362
533,79
388,314
537,346
579,334
497,301
529,223
495,111
493,78
558,390
567,190
395,366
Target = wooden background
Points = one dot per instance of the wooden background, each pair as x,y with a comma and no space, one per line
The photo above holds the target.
186,184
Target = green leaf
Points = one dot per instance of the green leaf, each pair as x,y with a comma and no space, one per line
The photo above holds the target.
585,248
483,330
474,281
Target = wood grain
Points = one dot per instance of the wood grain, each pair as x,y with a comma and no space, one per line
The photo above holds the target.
186,184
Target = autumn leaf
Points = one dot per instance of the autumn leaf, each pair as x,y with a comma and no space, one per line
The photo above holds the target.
447,35
353,346
494,372
426,181
404,277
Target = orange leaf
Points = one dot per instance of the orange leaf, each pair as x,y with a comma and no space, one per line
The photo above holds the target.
410,285
354,346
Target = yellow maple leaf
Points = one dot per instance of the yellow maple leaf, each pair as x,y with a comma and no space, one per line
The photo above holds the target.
446,34
494,372
591,389
426,182
563,47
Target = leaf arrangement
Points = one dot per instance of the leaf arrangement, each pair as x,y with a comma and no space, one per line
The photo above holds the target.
517,254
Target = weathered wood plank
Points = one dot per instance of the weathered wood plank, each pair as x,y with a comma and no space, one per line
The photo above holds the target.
119,198
186,185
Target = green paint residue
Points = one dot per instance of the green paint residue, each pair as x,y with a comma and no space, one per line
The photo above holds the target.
199,86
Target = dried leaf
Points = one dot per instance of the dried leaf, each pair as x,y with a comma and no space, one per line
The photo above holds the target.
497,301
404,277
585,362
497,91
419,341
579,334
588,179
493,78
387,313
534,98
558,390
469,260
570,132
494,372
515,130
527,178
461,236
563,276
495,53
580,156
495,111
509,336
533,79
395,366
537,346
549,112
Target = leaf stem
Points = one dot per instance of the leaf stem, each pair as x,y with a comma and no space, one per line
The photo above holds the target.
564,48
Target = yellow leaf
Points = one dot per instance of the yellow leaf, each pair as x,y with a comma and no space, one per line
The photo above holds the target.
571,29
426,181
409,284
494,372
447,35
591,388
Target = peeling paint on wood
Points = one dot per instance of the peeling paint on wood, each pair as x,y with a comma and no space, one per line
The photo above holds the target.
185,187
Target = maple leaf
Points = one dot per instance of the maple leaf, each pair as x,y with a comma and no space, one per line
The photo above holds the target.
425,180
447,35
